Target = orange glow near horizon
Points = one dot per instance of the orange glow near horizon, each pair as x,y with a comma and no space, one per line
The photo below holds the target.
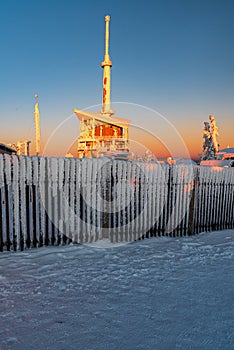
139,143
65,140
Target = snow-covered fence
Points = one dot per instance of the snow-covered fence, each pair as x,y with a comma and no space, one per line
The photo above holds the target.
214,199
52,201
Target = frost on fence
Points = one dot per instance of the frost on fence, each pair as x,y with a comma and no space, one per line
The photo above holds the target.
214,199
56,201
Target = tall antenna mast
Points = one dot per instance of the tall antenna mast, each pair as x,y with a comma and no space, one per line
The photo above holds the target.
37,126
106,65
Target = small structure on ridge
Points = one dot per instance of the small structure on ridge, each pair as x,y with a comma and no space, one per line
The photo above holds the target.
22,148
6,149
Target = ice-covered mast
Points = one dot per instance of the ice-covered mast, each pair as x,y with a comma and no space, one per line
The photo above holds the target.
37,126
106,65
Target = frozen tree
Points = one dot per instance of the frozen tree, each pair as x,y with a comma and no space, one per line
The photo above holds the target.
214,133
207,143
148,156
210,144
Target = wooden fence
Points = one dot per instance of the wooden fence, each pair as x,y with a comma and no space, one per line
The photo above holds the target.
53,201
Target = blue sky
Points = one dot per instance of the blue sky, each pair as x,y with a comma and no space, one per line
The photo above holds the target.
172,56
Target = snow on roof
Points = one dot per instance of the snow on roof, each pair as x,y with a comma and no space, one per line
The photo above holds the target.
6,148
102,117
217,163
226,154
227,150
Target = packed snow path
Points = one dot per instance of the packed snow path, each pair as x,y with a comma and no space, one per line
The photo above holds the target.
159,293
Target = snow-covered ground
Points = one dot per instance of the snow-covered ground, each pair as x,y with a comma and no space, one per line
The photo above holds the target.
159,293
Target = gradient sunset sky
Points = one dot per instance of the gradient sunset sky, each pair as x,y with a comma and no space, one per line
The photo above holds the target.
172,57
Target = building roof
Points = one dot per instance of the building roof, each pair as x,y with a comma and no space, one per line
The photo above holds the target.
218,163
6,149
225,154
102,117
227,150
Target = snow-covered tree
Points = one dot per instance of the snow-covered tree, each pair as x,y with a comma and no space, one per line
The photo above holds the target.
210,144
214,133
